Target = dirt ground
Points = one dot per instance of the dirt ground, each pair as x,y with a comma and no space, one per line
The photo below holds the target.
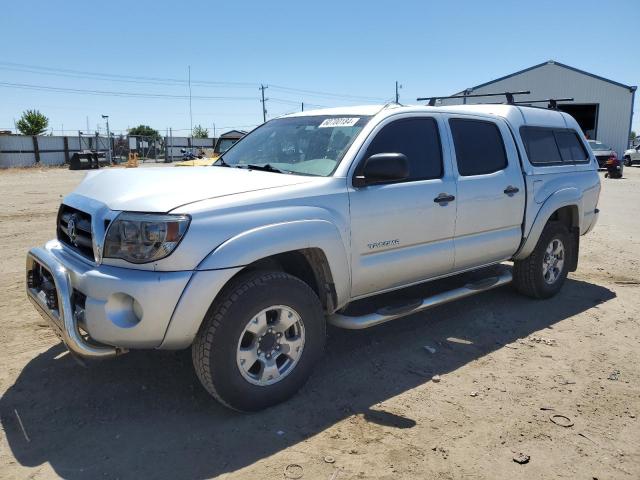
506,364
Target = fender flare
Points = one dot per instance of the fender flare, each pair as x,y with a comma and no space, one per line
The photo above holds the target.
268,240
568,197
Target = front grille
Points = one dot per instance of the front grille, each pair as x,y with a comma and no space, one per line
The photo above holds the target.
78,235
602,159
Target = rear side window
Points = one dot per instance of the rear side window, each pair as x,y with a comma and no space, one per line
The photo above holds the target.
548,146
571,148
541,145
479,146
418,139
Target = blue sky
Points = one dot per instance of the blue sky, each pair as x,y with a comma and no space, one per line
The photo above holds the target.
354,51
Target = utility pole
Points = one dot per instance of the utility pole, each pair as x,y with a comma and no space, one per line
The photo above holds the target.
303,106
87,123
398,87
108,138
190,111
171,143
264,105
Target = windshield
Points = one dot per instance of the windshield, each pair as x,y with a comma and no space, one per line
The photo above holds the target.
226,143
312,145
595,145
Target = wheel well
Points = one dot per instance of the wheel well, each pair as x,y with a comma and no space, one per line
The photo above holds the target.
569,217
309,265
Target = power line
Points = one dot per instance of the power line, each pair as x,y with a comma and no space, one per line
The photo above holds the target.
315,93
27,86
168,81
295,102
114,76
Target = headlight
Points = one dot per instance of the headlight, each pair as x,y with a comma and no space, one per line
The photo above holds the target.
144,237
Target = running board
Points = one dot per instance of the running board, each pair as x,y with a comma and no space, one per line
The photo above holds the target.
387,314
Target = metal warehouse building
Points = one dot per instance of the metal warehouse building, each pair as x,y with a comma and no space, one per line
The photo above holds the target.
602,107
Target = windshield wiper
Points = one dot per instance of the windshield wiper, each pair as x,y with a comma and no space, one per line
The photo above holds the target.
221,163
265,168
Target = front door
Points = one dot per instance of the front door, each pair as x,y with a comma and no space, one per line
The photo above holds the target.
491,192
400,233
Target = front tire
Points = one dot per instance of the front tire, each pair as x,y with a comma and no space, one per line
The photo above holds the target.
627,161
260,340
542,274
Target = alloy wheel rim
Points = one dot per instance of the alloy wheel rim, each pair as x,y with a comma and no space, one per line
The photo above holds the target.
553,261
270,345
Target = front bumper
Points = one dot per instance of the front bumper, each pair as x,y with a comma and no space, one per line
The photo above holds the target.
118,308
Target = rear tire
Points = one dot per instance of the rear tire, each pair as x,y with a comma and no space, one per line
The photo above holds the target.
260,340
627,161
542,274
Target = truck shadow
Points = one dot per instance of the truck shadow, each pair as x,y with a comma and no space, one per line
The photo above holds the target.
145,415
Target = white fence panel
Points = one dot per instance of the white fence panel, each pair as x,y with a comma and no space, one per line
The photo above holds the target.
8,160
16,142
50,143
52,158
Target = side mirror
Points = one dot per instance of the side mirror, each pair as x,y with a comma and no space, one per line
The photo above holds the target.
382,168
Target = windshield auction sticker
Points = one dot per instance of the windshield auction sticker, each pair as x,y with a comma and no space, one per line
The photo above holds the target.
339,122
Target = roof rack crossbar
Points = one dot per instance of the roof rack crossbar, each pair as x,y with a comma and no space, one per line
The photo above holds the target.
552,102
508,95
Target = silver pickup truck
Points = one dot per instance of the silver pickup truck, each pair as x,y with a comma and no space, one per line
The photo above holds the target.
310,214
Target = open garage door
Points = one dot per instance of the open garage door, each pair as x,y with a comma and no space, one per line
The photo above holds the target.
586,115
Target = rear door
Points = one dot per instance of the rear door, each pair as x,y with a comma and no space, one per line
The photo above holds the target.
399,233
491,192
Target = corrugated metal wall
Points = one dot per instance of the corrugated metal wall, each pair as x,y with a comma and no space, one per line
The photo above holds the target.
19,151
554,81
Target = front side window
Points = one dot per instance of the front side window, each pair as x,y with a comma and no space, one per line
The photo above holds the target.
418,139
479,146
306,145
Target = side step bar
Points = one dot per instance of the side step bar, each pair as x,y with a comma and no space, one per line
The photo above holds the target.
391,313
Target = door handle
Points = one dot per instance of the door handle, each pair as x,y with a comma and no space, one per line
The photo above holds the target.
444,198
510,190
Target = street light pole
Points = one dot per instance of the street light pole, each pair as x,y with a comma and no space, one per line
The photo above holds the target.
106,117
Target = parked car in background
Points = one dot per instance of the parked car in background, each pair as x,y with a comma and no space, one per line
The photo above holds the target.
607,158
602,152
632,155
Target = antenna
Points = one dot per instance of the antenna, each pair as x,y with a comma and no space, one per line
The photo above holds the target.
508,95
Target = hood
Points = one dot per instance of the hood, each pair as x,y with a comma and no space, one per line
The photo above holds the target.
163,189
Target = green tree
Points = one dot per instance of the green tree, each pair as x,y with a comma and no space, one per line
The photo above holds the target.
32,122
200,132
144,131
632,135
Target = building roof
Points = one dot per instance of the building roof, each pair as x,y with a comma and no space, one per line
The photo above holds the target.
233,134
553,62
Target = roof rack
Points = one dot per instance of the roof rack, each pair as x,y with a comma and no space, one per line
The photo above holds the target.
552,103
509,95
